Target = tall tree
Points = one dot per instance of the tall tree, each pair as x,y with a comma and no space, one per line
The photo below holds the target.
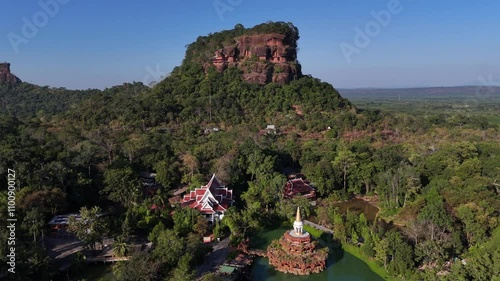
48,201
34,222
183,271
184,220
191,164
399,185
381,250
264,190
168,249
239,222
402,259
141,267
91,228
121,185
344,160
477,221
167,173
434,212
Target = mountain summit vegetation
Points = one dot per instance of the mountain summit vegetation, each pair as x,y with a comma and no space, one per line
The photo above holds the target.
434,176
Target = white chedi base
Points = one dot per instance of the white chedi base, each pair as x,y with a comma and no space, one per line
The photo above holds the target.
303,235
298,227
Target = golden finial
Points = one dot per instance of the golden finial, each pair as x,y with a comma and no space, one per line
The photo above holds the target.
298,218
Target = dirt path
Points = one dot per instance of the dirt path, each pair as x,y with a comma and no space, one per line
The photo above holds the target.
317,226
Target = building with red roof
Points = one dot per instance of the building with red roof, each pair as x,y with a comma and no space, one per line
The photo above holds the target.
299,187
212,200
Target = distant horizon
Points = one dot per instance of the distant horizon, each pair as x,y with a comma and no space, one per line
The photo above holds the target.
496,85
480,82
419,87
355,44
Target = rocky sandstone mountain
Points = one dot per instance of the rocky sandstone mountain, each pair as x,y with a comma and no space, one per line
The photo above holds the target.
265,53
6,77
263,58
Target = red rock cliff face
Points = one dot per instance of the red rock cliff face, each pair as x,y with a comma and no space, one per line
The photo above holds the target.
6,76
263,58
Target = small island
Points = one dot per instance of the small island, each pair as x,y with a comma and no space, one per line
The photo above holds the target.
296,252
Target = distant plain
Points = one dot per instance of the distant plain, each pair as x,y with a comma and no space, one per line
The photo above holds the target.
433,101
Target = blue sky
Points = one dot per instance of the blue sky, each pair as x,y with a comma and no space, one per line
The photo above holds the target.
97,44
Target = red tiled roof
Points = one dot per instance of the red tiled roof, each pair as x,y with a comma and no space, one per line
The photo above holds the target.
219,208
221,198
214,183
297,187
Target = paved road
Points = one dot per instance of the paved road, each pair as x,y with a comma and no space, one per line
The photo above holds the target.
317,226
215,258
62,251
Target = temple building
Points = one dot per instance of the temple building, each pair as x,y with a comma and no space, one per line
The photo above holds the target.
212,200
299,187
296,252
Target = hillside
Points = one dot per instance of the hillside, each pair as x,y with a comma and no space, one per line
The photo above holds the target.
239,86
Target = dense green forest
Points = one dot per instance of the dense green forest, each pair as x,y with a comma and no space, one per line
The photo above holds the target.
436,179
28,100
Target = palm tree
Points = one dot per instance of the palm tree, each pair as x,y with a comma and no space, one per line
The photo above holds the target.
120,247
158,199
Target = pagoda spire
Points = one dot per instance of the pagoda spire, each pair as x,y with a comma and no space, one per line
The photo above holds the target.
298,218
298,225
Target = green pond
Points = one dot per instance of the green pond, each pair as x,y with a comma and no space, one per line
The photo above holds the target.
344,267
358,206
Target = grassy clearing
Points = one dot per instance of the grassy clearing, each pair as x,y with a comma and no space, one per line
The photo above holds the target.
313,231
379,270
